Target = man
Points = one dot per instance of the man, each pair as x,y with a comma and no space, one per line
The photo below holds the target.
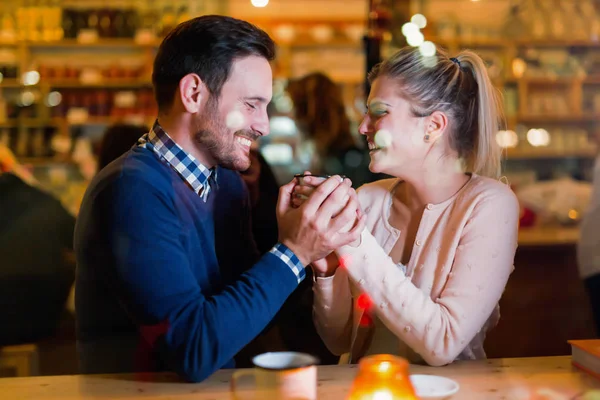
168,275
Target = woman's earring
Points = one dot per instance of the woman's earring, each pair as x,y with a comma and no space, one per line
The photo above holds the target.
427,137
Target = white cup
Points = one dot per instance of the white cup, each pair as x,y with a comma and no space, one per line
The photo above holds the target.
320,179
283,375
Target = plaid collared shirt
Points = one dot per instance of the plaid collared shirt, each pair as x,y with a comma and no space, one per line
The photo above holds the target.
200,179
191,170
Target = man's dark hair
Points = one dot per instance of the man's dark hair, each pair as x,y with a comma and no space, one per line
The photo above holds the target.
206,46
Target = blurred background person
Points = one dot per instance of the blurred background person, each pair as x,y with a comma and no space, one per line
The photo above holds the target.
320,115
588,247
264,190
117,140
36,244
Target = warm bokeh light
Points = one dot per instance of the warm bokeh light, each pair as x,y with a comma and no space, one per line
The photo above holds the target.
419,20
235,120
382,377
364,302
27,98
53,99
384,366
31,78
573,214
383,138
259,3
507,139
538,137
415,39
285,33
409,29
427,49
383,394
518,67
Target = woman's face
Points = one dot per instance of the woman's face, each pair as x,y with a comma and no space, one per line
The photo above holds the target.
395,136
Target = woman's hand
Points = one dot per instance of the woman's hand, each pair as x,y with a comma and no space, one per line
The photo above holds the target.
325,266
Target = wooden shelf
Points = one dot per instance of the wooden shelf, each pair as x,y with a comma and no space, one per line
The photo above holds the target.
107,83
459,42
13,83
93,120
550,80
39,161
557,119
100,43
490,42
513,154
555,43
334,42
548,236
28,123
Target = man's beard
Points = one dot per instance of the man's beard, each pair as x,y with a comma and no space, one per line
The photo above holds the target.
213,136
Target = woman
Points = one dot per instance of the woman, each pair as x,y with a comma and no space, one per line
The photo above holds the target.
425,280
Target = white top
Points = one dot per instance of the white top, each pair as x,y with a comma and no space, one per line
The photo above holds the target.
446,301
384,341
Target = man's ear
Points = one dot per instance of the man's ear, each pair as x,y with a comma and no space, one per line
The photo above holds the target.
192,92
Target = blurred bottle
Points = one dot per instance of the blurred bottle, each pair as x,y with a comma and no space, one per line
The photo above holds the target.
105,20
557,20
169,18
5,137
183,13
132,22
3,109
68,23
93,19
37,143
149,16
8,23
22,145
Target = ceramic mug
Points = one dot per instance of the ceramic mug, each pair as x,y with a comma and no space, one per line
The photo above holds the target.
282,375
321,179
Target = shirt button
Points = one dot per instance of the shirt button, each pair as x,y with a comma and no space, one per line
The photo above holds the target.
407,329
429,206
418,242
361,281
383,305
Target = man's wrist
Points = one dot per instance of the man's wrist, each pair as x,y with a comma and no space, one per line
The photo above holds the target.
287,255
294,249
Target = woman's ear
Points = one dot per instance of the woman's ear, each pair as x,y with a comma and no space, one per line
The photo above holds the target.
436,126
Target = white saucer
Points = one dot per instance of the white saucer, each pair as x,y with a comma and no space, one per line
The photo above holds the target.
434,387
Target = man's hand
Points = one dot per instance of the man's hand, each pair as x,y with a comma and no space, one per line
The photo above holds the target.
313,230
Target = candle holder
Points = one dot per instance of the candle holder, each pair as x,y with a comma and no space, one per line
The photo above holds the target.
382,377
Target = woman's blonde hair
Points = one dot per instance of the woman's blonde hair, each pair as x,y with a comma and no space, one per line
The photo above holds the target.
461,88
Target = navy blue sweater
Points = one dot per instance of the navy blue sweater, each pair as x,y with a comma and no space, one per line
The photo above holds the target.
166,281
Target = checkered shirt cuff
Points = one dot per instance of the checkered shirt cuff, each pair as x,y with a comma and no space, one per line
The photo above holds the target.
289,258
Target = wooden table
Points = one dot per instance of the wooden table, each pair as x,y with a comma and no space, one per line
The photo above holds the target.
511,379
